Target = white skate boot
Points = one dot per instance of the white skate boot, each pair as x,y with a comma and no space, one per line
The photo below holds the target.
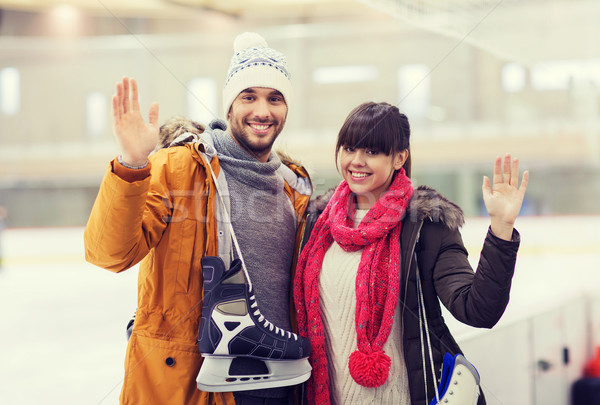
234,337
459,384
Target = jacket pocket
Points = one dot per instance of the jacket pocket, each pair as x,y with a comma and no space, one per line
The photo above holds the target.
161,372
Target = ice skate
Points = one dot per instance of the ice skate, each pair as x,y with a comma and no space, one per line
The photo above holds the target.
459,383
234,337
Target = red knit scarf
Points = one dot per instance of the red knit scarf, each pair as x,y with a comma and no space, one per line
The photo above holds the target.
377,282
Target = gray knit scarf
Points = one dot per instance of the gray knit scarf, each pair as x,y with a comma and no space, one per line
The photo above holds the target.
244,167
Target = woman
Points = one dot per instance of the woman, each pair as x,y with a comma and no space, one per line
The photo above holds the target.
355,287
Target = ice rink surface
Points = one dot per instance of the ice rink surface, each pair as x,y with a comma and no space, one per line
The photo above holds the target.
62,321
62,324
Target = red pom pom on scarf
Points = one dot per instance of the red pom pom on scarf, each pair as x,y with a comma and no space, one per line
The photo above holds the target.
369,370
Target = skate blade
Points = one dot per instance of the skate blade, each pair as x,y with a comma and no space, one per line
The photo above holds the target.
214,375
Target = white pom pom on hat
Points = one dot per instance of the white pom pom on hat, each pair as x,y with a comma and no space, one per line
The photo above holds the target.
254,64
248,40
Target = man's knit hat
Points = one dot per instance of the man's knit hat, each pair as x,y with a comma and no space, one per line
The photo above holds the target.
254,64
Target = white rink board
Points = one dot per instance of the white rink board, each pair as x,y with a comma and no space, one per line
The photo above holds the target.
558,261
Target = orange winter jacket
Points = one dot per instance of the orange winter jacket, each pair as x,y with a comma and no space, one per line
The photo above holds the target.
165,216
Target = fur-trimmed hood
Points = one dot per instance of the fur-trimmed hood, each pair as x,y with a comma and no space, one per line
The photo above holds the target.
425,204
287,159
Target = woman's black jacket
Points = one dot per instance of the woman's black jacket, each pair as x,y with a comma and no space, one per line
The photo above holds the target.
431,229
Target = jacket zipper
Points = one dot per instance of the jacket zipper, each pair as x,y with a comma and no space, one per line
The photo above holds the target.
303,234
411,251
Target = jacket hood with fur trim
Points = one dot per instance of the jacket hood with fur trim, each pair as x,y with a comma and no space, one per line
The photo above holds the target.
427,204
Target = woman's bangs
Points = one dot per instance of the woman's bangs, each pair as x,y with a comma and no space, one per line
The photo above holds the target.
362,134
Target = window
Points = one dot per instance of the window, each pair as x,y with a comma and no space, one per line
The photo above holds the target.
513,77
96,114
414,90
10,91
559,75
202,100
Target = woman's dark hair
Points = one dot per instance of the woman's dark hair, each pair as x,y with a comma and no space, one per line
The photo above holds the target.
377,126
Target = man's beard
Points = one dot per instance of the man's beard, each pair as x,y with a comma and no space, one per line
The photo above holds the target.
241,133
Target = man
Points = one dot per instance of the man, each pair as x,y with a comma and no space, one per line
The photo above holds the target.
163,210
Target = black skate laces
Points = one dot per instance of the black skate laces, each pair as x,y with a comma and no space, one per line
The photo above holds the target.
261,319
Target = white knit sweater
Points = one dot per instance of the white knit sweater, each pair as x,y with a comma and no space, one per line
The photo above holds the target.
338,305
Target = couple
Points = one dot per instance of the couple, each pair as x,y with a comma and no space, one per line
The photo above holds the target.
347,289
